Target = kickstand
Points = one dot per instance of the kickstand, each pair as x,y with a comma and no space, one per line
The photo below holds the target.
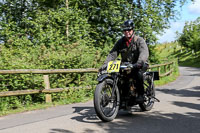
156,99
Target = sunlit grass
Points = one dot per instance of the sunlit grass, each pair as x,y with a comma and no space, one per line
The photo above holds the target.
167,79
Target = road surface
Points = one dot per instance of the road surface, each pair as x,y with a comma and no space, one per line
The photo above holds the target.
178,112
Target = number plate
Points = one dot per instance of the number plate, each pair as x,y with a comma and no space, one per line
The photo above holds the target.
113,66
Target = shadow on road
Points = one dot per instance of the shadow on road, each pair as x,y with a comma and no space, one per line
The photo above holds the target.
60,131
141,122
86,114
190,92
187,105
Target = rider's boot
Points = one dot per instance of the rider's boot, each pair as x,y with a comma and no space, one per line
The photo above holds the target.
140,99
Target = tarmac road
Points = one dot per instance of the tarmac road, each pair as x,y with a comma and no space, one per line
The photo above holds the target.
178,112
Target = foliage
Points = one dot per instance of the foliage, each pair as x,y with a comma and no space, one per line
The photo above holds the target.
190,37
106,17
188,57
41,57
154,57
48,29
165,53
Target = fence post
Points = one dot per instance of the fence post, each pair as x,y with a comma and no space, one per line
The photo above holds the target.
165,68
174,63
159,70
170,69
47,86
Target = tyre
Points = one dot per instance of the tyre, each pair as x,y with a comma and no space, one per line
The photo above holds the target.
106,108
149,94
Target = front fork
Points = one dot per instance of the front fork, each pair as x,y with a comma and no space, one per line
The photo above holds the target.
115,81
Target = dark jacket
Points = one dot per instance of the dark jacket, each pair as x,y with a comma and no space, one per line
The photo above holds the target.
137,52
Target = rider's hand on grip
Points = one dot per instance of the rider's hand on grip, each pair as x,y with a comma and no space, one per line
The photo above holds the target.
130,65
134,66
103,68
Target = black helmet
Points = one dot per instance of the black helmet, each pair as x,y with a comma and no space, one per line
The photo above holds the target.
128,25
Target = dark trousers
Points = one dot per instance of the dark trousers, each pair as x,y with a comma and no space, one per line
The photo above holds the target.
138,76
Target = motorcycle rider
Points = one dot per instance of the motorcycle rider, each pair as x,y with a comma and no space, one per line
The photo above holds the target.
133,49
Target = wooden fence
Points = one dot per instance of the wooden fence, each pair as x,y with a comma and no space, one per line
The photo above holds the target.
168,69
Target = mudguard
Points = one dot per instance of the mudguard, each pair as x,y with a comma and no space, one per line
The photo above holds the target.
102,77
155,75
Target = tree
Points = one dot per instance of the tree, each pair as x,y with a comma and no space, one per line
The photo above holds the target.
151,17
42,23
105,17
190,37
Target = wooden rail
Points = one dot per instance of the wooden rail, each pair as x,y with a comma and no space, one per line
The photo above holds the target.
48,71
48,90
168,64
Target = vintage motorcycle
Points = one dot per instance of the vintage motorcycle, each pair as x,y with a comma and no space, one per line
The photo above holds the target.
116,90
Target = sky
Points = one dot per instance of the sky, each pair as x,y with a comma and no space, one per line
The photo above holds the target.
189,12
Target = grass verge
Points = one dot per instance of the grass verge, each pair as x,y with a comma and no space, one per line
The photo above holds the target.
72,96
167,79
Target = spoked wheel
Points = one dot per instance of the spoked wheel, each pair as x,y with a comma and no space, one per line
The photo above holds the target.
149,94
106,107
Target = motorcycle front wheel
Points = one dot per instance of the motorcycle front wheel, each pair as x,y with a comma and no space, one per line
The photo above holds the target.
105,106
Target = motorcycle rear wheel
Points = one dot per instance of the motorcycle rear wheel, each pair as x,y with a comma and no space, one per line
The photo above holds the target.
149,94
105,107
